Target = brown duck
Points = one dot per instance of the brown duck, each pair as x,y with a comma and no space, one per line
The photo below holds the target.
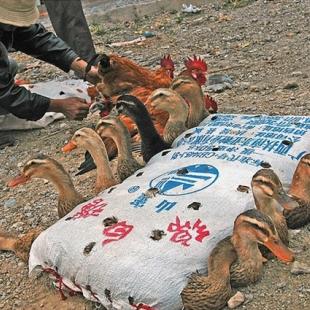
166,99
44,167
268,195
214,290
112,127
88,139
192,93
297,213
19,245
235,261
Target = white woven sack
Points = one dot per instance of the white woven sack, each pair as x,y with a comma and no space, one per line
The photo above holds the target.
50,89
120,265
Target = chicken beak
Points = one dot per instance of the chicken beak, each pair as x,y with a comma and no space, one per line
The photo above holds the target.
20,179
280,250
69,147
287,202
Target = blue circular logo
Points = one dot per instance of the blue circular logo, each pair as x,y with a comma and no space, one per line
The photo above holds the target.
185,180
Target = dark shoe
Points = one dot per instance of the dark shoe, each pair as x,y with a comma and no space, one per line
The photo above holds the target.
6,141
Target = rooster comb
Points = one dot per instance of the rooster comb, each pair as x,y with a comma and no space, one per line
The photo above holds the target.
166,61
196,63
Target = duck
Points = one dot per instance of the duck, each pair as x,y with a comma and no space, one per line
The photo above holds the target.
19,245
192,93
168,100
112,127
44,167
151,141
297,213
235,261
88,139
268,193
214,290
251,228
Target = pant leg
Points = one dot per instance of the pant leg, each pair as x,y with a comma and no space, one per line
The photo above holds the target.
70,25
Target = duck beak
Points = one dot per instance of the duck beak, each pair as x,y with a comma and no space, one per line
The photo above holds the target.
280,250
20,179
287,202
69,147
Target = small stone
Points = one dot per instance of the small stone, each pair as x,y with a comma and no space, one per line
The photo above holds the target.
235,301
248,298
21,264
63,125
296,73
294,232
10,203
254,88
244,85
291,85
299,268
281,285
217,88
219,82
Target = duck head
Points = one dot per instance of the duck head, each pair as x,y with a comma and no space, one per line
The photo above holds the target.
107,127
168,100
254,226
269,193
300,186
83,138
130,106
40,166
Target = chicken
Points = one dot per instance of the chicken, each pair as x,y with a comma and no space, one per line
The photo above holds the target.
121,75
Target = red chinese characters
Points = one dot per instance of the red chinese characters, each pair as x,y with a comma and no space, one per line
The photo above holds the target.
183,233
92,208
116,232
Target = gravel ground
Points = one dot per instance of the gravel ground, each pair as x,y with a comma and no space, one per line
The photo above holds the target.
263,46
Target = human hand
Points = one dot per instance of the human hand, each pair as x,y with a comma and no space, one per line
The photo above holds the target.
79,67
73,107
92,76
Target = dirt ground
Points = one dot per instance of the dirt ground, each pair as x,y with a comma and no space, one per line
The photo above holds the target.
262,45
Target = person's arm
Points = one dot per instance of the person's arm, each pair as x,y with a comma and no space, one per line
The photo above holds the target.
38,42
24,104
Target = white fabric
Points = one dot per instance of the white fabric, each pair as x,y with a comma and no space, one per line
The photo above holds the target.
155,272
51,89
